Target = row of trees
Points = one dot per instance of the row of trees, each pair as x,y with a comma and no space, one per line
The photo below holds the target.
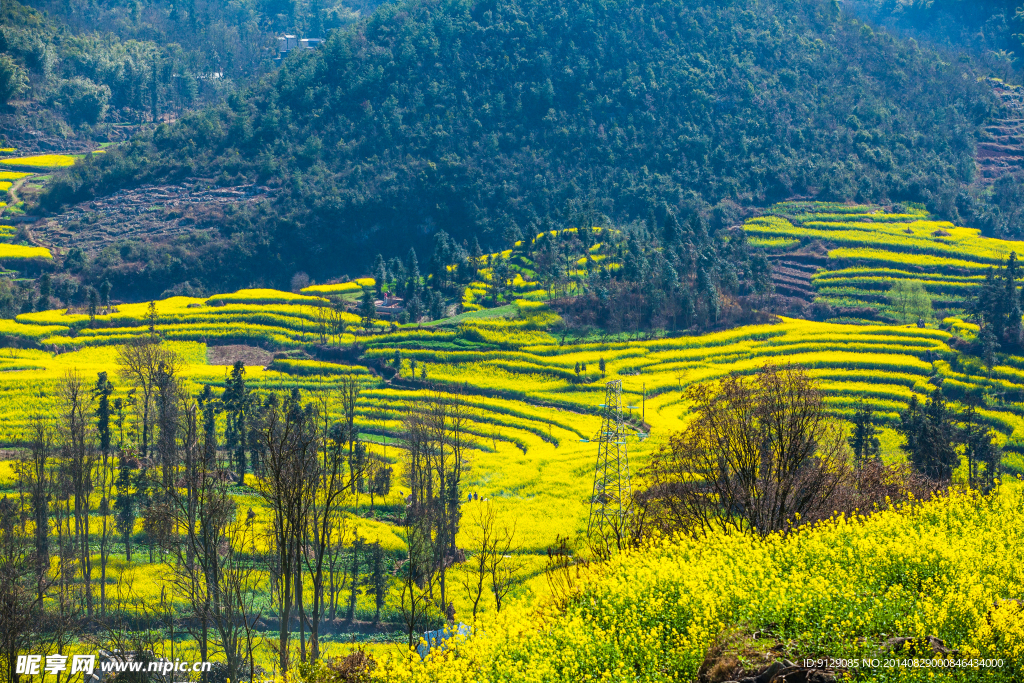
665,273
156,451
141,447
997,308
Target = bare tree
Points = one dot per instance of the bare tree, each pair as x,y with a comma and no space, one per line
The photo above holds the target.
33,472
124,631
496,559
349,394
415,603
22,592
759,454
139,364
504,563
474,578
329,491
436,442
65,605
210,571
289,442
78,458
337,322
167,402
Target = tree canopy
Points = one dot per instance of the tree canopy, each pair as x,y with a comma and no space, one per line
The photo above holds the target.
474,117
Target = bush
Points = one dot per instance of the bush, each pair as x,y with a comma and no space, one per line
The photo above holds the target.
84,101
13,80
759,455
357,667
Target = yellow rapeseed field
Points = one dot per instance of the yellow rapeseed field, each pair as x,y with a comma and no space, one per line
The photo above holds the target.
43,161
20,251
950,568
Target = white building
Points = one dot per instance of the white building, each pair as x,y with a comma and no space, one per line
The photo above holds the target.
287,43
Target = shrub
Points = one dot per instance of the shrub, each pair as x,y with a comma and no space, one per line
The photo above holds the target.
13,79
84,101
758,455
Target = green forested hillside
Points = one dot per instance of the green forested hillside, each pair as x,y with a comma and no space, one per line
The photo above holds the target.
236,39
475,117
80,72
80,76
989,28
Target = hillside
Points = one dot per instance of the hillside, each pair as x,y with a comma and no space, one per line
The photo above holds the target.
836,599
476,117
69,90
988,28
847,257
76,74
527,390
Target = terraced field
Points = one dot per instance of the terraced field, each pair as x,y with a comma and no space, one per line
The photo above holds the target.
849,256
14,171
509,361
532,398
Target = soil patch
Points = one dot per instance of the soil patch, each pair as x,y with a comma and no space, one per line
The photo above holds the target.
229,355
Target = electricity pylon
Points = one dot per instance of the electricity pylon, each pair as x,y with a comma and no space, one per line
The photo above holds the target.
611,504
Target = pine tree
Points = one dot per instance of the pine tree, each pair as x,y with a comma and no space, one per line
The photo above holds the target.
512,235
930,437
101,393
378,579
94,302
43,303
105,294
355,583
210,407
989,343
413,284
979,449
236,403
380,274
444,249
671,234
864,440
414,308
367,308
151,320
130,489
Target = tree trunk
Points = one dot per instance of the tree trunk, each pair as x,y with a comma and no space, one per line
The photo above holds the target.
86,561
355,584
103,569
302,610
